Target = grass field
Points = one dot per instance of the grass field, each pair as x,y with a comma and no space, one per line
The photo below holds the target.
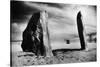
20,58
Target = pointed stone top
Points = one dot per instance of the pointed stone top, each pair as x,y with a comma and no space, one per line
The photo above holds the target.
79,13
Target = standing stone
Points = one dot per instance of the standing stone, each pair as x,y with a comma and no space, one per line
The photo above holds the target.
35,35
81,31
46,36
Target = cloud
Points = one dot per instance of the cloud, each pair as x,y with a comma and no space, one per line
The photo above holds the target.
17,30
62,19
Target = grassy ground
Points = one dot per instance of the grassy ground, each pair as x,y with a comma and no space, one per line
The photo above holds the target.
60,56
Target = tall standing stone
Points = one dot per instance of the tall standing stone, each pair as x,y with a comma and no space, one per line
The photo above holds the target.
36,35
81,31
46,38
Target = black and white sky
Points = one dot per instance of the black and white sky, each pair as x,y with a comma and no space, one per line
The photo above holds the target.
61,21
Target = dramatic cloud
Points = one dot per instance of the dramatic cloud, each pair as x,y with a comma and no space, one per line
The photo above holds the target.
61,21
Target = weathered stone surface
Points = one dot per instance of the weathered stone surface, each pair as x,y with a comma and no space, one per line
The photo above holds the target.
35,36
46,36
81,31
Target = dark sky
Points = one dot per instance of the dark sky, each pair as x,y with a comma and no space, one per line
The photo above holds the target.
62,22
19,11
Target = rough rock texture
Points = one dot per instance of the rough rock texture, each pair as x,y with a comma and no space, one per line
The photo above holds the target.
34,39
33,36
81,31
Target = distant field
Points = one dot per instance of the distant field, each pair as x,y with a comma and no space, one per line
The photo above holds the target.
16,46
